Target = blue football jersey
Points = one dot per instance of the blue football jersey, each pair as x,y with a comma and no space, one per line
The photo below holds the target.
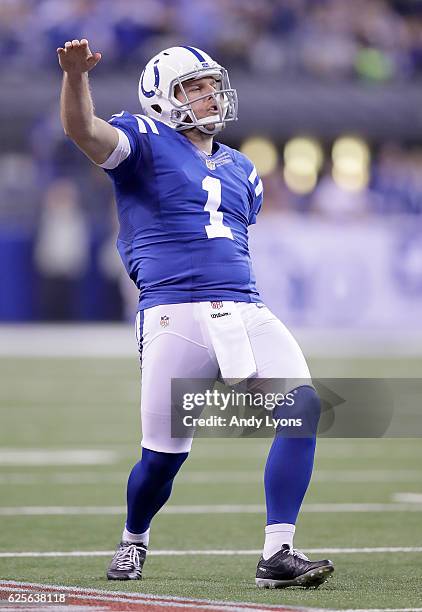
184,216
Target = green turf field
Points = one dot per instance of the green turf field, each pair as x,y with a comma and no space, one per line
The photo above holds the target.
92,405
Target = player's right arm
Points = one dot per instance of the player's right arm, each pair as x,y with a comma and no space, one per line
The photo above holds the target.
94,136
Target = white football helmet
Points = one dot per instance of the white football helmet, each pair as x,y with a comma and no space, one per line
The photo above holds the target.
173,67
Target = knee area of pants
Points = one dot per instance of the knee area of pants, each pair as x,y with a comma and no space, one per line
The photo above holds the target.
304,400
306,406
163,464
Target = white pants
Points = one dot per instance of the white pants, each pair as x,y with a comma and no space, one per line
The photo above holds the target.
175,342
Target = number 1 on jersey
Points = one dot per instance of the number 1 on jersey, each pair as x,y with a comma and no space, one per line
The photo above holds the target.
216,228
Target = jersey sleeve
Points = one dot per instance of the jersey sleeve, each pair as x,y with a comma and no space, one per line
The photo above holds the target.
256,190
129,148
257,198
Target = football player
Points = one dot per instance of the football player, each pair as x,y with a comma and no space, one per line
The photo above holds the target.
185,203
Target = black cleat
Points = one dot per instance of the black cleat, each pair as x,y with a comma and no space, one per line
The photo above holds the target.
127,562
289,567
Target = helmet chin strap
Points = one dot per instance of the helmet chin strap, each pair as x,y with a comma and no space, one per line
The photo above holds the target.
211,120
218,126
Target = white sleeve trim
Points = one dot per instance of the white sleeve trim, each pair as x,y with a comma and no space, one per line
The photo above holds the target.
120,153
252,176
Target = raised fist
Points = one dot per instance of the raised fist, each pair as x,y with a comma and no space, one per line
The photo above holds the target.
76,57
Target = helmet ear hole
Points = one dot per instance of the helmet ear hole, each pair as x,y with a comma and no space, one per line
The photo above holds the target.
157,108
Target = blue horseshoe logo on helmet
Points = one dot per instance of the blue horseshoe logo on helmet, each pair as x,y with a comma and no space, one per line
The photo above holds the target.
149,94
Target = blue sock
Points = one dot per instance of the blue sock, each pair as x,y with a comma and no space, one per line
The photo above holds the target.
149,487
290,461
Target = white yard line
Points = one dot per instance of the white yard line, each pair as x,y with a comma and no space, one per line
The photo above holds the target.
207,509
408,498
212,553
364,475
217,477
153,600
41,457
122,596
62,478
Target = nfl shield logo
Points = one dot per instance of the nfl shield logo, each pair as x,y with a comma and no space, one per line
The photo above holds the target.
210,164
216,305
164,321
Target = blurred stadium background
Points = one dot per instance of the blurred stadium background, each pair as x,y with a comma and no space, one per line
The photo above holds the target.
331,113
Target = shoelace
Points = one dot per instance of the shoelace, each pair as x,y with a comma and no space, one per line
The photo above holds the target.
296,553
127,558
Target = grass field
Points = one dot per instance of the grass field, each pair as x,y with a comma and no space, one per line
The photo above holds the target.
82,414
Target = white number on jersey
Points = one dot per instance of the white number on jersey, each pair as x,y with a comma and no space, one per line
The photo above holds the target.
215,229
